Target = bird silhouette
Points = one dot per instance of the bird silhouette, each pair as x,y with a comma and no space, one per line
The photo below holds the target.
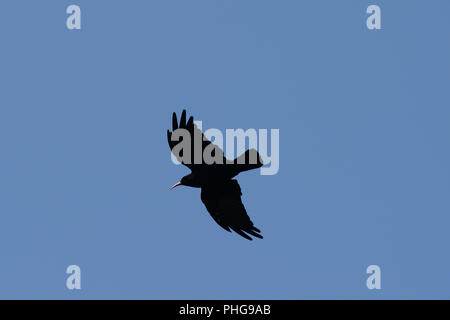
220,193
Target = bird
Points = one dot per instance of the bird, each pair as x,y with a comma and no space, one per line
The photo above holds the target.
220,193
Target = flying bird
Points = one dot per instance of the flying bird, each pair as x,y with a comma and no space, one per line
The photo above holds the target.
220,193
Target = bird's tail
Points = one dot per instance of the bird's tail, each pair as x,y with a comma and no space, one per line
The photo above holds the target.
249,160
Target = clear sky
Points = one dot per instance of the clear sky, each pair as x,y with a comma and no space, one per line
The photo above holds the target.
364,148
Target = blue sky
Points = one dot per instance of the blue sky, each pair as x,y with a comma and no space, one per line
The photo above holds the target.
364,158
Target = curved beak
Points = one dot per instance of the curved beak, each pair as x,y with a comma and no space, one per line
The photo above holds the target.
175,185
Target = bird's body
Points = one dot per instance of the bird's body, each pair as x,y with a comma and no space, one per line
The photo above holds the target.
220,193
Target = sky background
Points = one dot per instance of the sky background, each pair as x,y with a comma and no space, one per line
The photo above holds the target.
364,148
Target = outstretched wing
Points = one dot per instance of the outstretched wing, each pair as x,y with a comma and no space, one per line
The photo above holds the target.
223,202
192,161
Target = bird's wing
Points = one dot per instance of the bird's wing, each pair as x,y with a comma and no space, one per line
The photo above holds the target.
191,161
224,204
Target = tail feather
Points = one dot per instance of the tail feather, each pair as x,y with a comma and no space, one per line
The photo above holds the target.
249,160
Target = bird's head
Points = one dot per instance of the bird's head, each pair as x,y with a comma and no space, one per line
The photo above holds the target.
191,180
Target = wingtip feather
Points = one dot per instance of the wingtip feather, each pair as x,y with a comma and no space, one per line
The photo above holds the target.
183,119
174,121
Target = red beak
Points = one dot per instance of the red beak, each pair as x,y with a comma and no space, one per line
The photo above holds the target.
175,185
